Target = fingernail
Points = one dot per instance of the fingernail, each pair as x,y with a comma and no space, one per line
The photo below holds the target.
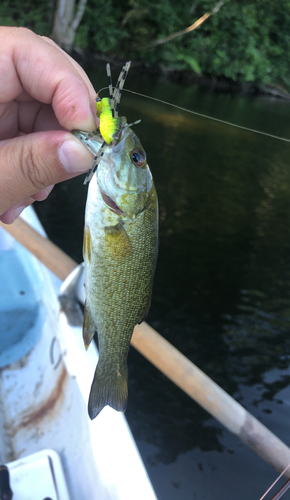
74,156
48,190
18,211
43,194
89,124
10,215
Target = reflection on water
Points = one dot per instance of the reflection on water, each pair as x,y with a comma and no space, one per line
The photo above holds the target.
222,287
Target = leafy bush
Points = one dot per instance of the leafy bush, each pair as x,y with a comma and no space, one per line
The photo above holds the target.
246,40
36,16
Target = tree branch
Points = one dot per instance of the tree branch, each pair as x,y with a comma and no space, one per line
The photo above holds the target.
186,30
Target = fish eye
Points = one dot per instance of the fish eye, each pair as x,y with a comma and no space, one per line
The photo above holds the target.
137,157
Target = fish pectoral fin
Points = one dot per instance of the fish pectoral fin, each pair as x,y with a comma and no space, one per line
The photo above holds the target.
89,329
109,387
119,238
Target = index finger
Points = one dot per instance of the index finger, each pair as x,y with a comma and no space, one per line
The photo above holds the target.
32,66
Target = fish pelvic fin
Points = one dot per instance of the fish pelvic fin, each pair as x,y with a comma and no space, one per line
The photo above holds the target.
87,245
109,387
89,329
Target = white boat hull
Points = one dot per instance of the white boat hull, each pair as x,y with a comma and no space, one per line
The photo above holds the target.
45,379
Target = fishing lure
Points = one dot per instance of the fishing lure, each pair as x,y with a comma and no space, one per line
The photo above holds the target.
111,124
108,124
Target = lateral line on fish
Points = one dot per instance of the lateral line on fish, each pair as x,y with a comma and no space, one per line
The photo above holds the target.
224,122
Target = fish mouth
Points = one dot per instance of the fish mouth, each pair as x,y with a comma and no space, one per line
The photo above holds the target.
111,204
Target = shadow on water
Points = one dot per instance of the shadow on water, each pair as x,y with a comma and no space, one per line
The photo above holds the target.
222,287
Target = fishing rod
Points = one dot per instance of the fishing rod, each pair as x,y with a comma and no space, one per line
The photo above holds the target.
282,490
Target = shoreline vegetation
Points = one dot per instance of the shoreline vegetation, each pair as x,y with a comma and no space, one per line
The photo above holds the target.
227,45
183,77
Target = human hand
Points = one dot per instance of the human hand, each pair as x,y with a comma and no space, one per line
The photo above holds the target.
43,94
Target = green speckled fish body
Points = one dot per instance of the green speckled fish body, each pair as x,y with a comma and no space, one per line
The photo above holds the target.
120,251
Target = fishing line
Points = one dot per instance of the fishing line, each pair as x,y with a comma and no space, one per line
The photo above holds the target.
273,484
282,490
247,129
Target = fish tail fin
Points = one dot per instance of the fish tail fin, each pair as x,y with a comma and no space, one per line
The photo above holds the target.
109,387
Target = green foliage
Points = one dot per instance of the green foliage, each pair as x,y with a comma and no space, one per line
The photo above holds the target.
100,27
191,61
34,15
246,40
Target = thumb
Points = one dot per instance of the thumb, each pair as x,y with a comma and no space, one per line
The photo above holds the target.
34,162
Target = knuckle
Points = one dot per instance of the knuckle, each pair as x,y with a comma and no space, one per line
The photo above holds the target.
21,31
49,40
31,169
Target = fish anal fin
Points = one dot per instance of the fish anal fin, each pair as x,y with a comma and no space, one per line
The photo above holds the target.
89,329
109,387
87,245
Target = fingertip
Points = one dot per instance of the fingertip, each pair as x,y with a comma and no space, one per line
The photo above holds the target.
12,213
73,103
31,164
51,77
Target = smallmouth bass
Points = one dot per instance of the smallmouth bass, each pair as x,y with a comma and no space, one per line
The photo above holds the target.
120,252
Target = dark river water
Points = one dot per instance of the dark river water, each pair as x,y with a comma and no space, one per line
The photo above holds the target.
222,286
